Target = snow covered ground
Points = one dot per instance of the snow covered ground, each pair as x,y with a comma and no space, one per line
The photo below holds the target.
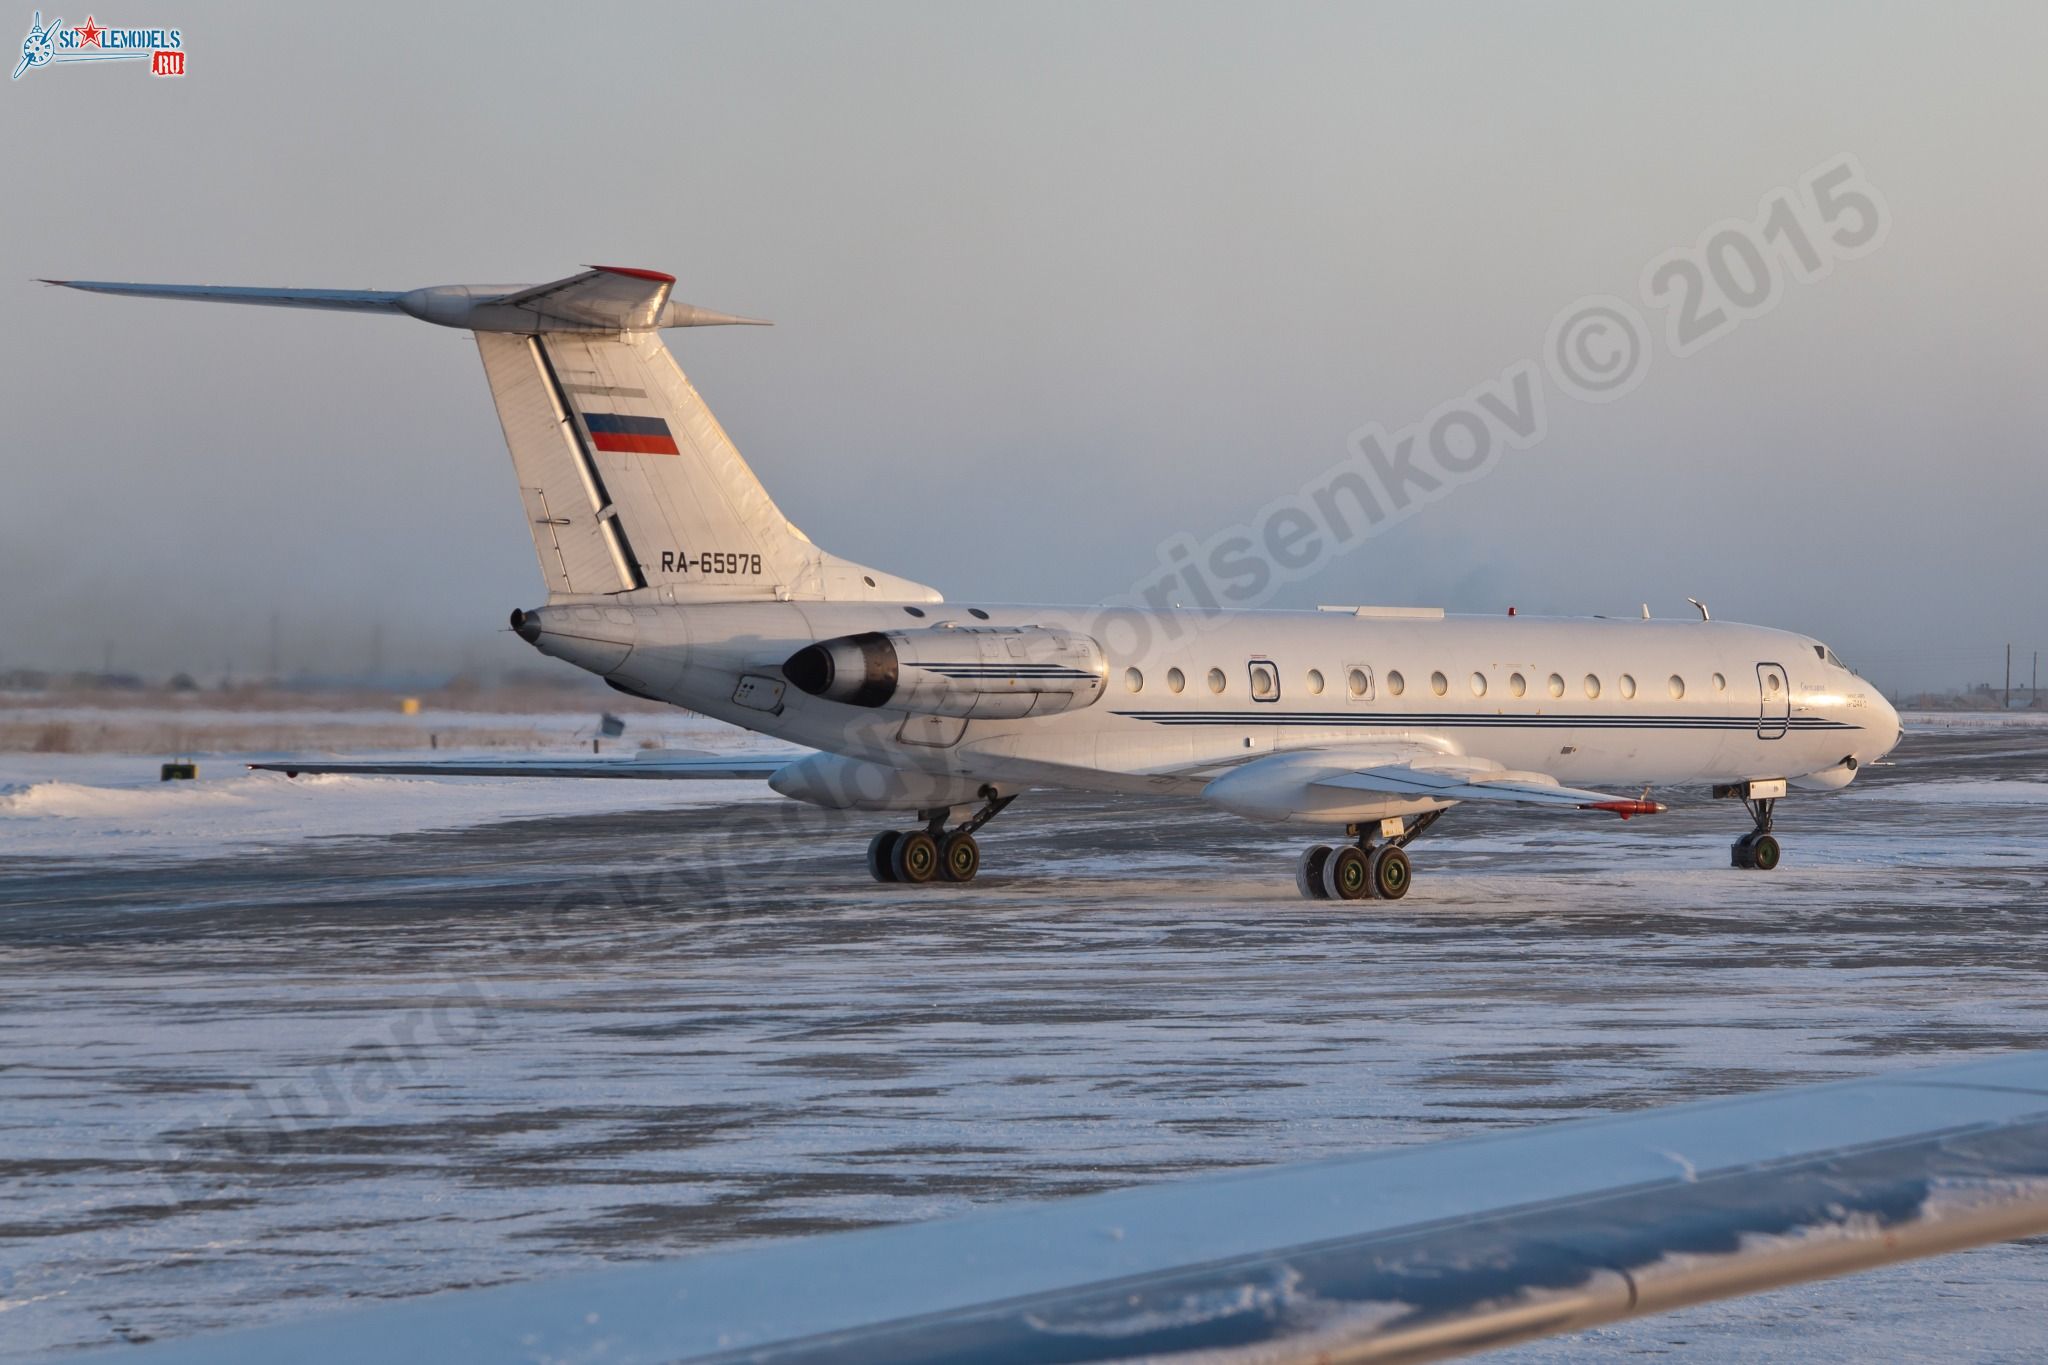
107,805
243,1079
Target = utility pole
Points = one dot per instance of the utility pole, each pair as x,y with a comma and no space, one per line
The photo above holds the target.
276,663
2008,677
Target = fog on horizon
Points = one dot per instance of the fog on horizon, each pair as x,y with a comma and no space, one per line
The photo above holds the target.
1052,285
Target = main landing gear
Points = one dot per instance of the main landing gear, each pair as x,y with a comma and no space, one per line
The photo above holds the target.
1364,870
933,853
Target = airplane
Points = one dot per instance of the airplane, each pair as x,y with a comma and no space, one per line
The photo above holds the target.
671,574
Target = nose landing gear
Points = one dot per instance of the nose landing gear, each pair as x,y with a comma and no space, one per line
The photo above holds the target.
1364,870
934,853
1757,850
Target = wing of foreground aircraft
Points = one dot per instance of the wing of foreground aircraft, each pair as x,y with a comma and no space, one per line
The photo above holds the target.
1414,1254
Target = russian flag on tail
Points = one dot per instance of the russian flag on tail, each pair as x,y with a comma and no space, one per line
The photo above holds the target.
630,435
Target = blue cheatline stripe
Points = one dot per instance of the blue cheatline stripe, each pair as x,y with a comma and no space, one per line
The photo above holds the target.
1009,673
1298,718
1340,718
1382,722
619,424
949,671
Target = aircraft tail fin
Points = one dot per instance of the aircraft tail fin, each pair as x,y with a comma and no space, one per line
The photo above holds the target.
628,481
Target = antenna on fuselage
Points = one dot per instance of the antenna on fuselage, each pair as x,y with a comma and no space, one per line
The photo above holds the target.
1702,606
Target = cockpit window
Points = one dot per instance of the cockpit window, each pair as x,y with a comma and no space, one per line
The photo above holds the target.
1829,656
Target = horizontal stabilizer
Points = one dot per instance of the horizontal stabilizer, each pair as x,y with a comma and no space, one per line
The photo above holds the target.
605,299
342,300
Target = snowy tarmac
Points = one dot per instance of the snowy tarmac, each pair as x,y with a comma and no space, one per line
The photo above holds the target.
241,1081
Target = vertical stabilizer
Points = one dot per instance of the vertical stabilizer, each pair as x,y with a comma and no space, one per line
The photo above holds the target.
629,484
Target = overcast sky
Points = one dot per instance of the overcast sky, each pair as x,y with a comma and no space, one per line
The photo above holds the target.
1051,285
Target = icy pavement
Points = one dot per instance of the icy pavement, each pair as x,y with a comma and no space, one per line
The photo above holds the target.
243,1087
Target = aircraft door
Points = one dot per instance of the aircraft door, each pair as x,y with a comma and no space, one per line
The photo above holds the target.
1774,708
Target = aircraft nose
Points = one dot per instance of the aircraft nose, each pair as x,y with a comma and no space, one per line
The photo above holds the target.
1888,714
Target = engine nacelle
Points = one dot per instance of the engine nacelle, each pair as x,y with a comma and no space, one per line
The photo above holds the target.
981,672
840,783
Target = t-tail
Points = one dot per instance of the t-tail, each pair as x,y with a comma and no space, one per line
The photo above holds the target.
629,483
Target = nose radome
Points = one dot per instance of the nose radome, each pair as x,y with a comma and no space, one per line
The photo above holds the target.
1888,713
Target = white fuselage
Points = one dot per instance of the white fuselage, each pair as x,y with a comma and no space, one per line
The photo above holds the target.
1622,702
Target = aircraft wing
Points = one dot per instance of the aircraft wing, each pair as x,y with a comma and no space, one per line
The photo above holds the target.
1279,786
1467,779
1413,1254
653,765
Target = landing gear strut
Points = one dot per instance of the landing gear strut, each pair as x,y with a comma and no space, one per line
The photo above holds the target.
934,853
1757,850
1365,870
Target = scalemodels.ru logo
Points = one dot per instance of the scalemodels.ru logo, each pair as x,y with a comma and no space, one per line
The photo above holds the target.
56,44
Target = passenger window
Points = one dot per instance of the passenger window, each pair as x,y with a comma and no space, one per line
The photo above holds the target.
1175,680
1134,680
1315,681
1677,688
1556,684
1592,686
1396,684
1358,682
1628,687
1720,683
1517,685
1478,684
1217,682
1438,683
1265,681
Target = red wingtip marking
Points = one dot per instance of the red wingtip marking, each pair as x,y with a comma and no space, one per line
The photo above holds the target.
655,275
1627,808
